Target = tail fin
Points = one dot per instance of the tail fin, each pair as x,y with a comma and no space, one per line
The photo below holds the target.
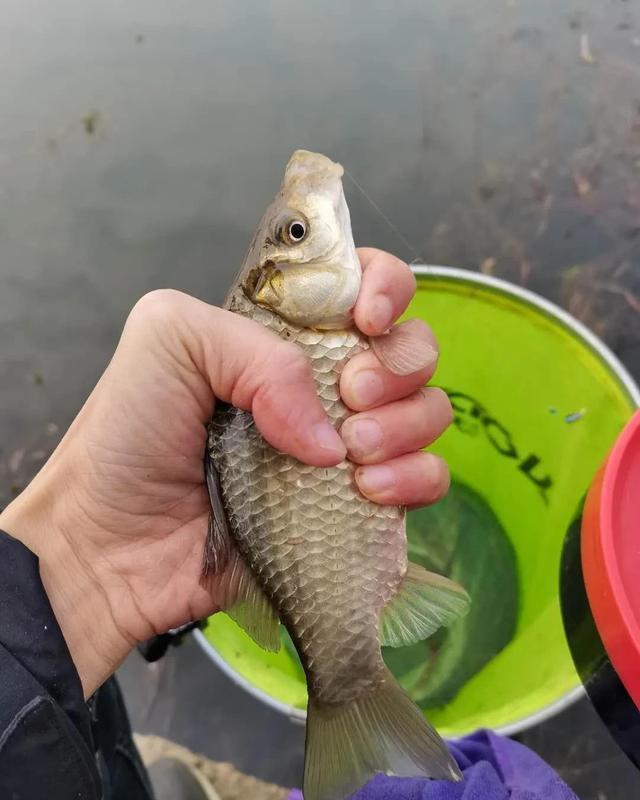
383,731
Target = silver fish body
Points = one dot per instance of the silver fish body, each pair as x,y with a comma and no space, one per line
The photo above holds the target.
328,558
301,545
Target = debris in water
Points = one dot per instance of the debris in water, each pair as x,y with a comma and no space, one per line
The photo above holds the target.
539,188
15,459
635,124
575,416
15,489
525,271
38,378
487,190
488,265
441,231
139,38
90,122
527,33
37,455
553,410
585,50
544,219
52,428
582,184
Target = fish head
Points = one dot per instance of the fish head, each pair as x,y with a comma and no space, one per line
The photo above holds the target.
302,264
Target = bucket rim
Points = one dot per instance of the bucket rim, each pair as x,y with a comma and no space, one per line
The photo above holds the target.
625,378
299,715
541,304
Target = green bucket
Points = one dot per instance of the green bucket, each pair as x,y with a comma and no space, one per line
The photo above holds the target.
538,401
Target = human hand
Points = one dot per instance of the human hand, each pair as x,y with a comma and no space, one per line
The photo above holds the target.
118,515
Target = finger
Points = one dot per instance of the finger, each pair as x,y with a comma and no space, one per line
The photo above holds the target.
417,479
246,365
397,428
387,288
365,383
405,349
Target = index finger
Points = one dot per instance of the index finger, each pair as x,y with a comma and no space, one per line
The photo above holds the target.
387,288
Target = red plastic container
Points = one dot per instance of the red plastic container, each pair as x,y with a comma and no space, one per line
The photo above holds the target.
611,556
600,591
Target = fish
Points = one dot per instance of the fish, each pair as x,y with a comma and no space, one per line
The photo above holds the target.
300,546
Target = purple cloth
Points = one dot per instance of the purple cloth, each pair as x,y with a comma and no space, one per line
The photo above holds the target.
494,768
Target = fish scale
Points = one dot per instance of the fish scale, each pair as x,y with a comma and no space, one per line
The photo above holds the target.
271,499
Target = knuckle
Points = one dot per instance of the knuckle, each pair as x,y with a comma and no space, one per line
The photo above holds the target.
270,375
425,480
412,283
398,280
437,401
285,369
156,306
290,363
292,417
435,477
401,273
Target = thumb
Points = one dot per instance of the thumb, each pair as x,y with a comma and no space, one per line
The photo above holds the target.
250,367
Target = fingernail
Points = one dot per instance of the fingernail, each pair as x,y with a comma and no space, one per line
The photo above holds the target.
380,313
327,438
367,388
363,437
374,480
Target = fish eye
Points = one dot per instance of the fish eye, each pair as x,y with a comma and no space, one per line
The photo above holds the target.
296,230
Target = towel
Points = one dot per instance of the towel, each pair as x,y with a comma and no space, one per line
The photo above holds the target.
494,768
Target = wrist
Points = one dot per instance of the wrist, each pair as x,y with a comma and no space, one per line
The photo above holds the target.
41,518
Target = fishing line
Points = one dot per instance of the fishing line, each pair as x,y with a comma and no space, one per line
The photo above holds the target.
417,258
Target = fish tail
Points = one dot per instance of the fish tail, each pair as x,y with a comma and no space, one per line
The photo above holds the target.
380,731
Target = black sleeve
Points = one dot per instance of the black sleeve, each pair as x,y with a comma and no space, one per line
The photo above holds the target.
46,744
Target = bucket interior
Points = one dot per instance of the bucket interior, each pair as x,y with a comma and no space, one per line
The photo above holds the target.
538,403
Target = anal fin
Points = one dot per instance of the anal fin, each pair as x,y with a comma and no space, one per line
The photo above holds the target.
423,603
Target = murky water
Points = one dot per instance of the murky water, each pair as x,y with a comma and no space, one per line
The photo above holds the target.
140,142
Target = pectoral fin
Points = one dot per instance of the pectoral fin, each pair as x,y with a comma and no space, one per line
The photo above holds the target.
423,603
218,546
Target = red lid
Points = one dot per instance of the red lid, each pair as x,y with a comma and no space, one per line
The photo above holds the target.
610,546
